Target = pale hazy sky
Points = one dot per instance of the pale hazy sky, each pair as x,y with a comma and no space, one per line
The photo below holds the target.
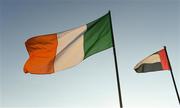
141,27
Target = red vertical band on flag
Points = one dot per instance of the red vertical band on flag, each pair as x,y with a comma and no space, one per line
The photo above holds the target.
164,60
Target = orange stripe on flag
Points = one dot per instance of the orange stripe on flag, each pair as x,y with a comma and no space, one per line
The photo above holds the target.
42,52
164,60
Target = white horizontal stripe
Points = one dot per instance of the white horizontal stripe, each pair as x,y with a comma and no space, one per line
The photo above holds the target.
150,59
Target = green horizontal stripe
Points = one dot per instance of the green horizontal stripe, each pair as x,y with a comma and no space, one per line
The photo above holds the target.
98,36
149,67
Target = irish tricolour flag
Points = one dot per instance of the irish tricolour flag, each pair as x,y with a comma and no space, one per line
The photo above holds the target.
58,51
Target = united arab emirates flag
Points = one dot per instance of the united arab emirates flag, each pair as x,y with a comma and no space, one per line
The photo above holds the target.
155,62
58,51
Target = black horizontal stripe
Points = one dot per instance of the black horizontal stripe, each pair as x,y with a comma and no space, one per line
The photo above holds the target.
149,67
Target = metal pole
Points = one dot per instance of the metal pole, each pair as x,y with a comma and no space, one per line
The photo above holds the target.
116,65
172,75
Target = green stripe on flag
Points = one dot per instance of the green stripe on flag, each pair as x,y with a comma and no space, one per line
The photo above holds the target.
98,36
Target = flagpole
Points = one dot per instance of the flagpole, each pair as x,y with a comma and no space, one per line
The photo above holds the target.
116,65
172,75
